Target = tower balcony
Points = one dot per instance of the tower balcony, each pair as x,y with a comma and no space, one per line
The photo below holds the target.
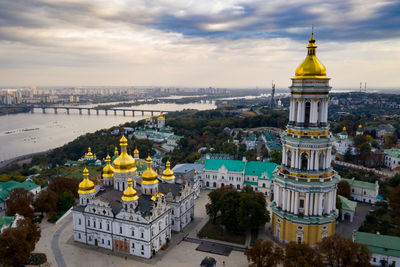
307,176
302,219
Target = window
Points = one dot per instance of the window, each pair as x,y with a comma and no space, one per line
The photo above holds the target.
301,203
133,233
101,226
79,235
94,224
142,247
142,235
133,245
108,227
172,212
120,229
79,221
108,242
88,223
102,241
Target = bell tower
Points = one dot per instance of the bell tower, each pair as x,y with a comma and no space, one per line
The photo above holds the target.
304,205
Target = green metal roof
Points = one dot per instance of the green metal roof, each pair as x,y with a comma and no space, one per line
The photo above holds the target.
230,165
361,184
393,152
347,204
257,168
6,187
379,244
250,183
251,137
174,137
6,220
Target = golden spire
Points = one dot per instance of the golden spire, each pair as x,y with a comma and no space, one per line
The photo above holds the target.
86,186
149,176
108,170
168,174
123,142
161,117
311,68
136,151
116,151
129,193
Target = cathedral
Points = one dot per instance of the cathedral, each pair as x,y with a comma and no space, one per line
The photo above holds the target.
130,213
304,205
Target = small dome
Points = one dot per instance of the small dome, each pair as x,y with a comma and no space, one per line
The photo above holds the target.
344,129
360,126
89,154
108,170
155,196
311,68
136,151
168,174
161,117
86,186
129,193
149,176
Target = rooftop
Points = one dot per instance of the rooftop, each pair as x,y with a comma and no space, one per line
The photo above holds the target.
361,184
347,204
379,244
6,220
6,187
393,152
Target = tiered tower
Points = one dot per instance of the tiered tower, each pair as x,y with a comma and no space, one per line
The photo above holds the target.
304,206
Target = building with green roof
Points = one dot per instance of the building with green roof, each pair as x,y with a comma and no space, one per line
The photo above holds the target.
385,249
348,207
392,158
6,187
363,191
238,173
9,221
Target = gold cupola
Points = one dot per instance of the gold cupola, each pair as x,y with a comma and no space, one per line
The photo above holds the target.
89,154
129,193
108,170
124,162
311,68
149,176
168,174
161,117
136,152
86,186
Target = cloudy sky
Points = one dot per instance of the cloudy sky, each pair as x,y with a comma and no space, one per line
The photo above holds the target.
220,43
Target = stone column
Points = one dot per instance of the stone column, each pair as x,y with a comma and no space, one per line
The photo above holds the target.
292,201
291,110
296,158
316,160
284,155
310,212
292,161
316,201
321,197
296,202
284,199
312,165
288,200
299,112
306,205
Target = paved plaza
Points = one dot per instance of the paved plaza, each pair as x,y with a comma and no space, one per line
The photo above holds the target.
57,242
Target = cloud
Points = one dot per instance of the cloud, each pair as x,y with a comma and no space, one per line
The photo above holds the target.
186,42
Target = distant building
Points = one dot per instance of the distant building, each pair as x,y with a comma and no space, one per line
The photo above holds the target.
257,174
348,208
250,141
6,187
189,172
363,191
392,158
385,249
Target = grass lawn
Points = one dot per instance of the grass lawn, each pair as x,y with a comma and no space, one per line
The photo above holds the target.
215,231
76,172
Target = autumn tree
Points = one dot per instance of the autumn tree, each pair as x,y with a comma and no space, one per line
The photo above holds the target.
20,201
344,189
16,244
394,199
337,251
65,201
46,201
301,255
60,185
263,253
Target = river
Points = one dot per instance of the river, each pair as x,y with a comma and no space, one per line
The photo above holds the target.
27,133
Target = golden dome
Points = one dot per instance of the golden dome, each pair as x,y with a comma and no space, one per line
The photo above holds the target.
129,193
86,186
89,154
108,170
136,151
168,174
360,126
124,162
344,129
161,117
116,152
311,68
258,158
155,196
149,176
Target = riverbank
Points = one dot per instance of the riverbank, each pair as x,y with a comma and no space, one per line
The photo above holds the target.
23,159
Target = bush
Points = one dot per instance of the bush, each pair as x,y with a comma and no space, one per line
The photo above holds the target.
53,217
37,259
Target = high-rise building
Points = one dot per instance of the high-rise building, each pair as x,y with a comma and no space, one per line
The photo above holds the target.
304,205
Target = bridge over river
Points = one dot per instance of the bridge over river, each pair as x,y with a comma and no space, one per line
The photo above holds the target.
96,110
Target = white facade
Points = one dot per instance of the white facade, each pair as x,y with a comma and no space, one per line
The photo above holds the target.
377,259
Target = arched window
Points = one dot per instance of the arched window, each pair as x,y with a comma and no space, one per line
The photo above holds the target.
322,161
304,162
307,114
319,113
214,184
207,184
289,158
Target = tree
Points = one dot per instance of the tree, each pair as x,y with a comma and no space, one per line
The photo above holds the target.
20,201
65,201
252,210
395,180
344,189
301,255
16,244
394,199
340,252
276,156
46,201
60,185
263,253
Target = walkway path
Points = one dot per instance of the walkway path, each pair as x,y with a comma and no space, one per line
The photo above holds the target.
55,246
362,168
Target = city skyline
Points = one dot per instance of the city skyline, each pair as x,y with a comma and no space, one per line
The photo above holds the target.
207,43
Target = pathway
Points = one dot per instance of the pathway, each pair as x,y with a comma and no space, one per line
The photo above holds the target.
55,246
362,168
